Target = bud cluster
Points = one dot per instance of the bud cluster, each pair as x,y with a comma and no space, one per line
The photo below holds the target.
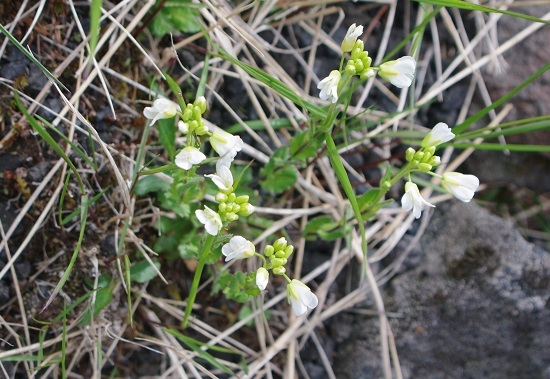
191,118
424,159
360,62
278,255
231,206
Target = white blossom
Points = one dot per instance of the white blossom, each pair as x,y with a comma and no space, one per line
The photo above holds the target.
210,219
351,37
400,72
329,86
300,297
226,145
413,200
460,186
162,108
441,133
188,157
183,127
238,248
262,278
223,178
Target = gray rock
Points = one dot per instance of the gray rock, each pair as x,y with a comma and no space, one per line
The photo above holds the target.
475,307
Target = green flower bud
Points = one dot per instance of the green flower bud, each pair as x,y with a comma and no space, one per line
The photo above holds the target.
187,114
200,102
350,68
280,254
221,197
430,150
409,154
222,208
289,250
193,125
235,208
418,156
269,250
386,185
280,244
197,114
279,270
278,262
231,197
425,167
230,216
242,199
415,162
246,209
435,161
202,129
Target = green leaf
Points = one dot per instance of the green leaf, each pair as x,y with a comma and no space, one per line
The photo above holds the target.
302,146
239,286
369,198
280,181
167,136
183,18
142,272
102,299
150,183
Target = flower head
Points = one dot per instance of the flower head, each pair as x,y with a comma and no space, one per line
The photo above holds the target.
188,157
351,37
161,108
329,86
460,186
210,219
226,145
262,278
300,297
400,72
223,178
238,248
413,200
441,133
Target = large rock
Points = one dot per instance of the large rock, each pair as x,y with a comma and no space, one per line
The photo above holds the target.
475,305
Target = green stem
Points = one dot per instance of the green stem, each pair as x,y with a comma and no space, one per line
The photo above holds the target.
197,278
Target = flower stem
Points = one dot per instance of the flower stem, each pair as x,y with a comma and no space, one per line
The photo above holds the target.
197,278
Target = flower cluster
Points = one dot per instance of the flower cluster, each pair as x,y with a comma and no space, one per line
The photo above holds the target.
299,295
459,185
398,72
192,125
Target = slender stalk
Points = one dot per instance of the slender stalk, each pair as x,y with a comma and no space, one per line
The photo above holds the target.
197,278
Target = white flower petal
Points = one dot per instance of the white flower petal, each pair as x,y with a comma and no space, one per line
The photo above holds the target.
262,278
440,133
238,248
300,297
461,186
329,86
399,72
210,219
162,108
351,37
226,144
188,157
413,200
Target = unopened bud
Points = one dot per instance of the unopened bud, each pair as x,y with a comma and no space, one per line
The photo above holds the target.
409,154
221,197
280,244
200,102
242,199
425,167
269,250
279,270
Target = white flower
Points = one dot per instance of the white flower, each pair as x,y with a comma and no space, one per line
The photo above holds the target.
329,86
300,297
238,248
183,127
440,133
400,73
162,108
351,37
262,278
460,186
210,219
223,178
226,145
188,157
413,200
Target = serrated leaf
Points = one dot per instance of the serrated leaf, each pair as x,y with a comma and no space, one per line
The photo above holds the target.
142,272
